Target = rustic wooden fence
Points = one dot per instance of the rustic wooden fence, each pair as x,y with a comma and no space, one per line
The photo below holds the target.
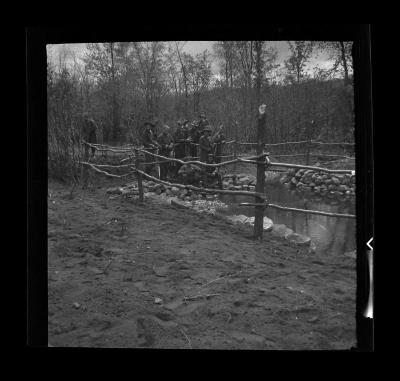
261,160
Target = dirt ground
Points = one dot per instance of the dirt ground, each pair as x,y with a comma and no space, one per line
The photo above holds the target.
110,259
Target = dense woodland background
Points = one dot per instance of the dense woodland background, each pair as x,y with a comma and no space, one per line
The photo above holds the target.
123,84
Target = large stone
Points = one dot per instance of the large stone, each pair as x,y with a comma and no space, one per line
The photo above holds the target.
117,190
346,181
281,230
284,179
180,204
267,226
335,180
298,239
239,219
244,180
175,190
312,248
318,180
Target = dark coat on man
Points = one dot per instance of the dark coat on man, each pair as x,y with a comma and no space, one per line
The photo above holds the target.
205,148
195,135
219,141
164,141
89,130
180,137
148,138
149,142
89,134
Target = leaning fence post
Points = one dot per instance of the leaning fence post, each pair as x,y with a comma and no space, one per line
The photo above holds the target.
308,152
139,176
259,209
235,144
310,134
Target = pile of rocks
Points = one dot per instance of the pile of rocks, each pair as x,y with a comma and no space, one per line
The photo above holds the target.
210,204
239,182
335,186
151,187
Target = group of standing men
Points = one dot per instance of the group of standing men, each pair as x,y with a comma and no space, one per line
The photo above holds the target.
188,140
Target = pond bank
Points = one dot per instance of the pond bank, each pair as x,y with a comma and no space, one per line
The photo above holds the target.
210,204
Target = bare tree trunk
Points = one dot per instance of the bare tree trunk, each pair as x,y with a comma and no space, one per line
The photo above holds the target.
114,96
184,74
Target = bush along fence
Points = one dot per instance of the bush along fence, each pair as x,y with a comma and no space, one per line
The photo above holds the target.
310,173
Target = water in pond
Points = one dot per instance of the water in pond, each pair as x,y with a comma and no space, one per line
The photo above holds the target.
331,235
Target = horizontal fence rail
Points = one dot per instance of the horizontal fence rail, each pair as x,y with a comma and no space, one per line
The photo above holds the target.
285,208
247,160
252,159
94,167
259,159
320,169
328,214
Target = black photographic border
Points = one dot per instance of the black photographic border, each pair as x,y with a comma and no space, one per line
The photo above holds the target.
36,38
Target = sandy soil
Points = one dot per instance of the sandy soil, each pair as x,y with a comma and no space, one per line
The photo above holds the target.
110,259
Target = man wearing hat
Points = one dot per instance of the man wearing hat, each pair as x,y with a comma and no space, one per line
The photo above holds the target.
89,134
219,140
148,139
195,134
179,141
205,144
166,145
203,121
187,137
149,143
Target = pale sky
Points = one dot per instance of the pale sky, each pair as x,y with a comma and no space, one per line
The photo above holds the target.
191,47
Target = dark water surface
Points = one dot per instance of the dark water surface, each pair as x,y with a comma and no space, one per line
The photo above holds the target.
331,235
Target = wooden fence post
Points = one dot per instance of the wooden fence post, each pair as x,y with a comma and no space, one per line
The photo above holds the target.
308,152
139,176
310,135
235,144
259,209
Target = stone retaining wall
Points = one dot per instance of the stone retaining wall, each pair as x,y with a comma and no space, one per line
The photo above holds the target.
335,186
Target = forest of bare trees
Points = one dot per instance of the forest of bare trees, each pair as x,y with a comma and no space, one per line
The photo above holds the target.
123,84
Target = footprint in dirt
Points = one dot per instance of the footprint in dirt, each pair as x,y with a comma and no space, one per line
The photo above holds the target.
145,339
